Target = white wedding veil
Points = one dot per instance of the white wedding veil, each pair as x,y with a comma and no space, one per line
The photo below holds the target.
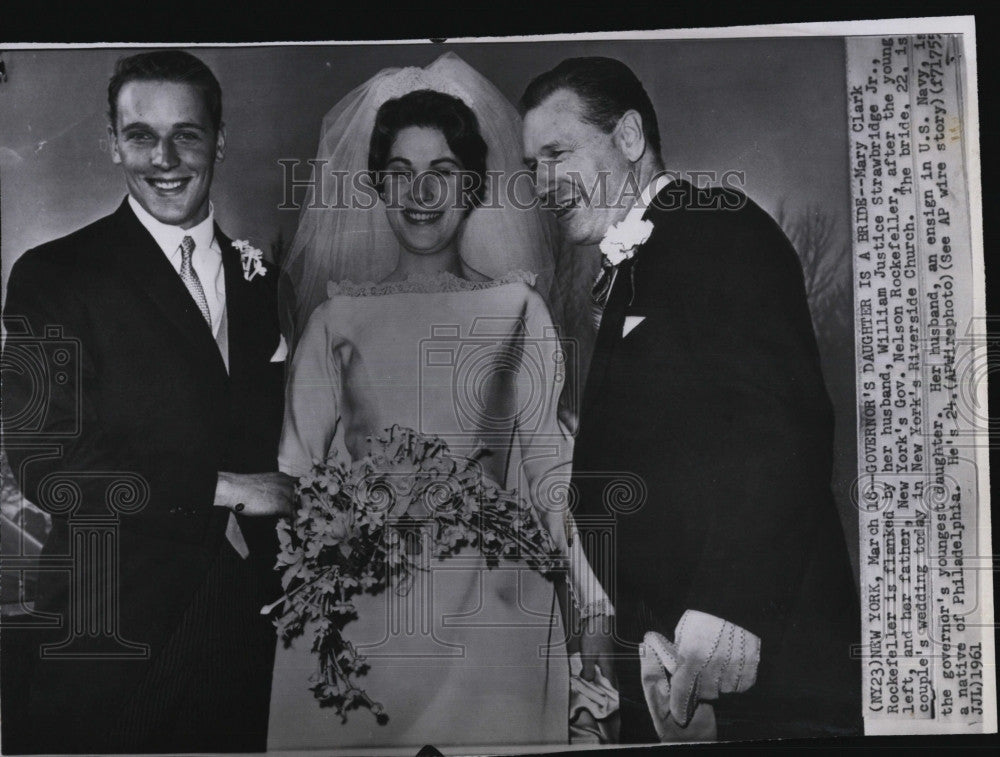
346,237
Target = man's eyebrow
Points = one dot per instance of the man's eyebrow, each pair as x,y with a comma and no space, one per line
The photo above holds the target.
147,127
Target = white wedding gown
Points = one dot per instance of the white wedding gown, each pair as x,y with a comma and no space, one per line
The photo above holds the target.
470,656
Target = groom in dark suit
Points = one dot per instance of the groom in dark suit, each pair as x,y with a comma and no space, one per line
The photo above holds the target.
176,402
735,610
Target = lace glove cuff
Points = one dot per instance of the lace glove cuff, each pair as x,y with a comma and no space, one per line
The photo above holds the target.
588,595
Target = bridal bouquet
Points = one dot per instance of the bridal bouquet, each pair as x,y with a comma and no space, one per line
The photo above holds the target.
363,526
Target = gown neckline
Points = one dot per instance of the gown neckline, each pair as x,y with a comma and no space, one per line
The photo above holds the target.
444,281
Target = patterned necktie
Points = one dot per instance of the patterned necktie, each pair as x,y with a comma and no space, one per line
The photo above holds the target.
602,289
191,280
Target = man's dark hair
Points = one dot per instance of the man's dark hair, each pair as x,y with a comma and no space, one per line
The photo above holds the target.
166,65
437,110
607,88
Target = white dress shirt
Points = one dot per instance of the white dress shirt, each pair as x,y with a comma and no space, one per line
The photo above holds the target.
206,258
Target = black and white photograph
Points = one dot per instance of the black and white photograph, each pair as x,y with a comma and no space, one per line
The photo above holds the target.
493,396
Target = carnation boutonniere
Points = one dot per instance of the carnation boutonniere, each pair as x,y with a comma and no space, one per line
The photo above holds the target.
622,239
252,259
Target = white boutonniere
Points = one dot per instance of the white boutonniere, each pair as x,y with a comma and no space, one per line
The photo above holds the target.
622,239
252,259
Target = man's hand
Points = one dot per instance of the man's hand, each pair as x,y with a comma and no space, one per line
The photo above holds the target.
255,494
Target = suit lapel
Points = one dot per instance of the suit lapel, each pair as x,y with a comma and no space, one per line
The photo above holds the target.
236,304
251,331
140,258
626,289
610,332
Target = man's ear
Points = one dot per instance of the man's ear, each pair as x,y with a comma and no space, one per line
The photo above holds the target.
220,144
116,156
629,137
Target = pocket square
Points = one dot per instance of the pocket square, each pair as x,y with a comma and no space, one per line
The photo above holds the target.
281,353
631,321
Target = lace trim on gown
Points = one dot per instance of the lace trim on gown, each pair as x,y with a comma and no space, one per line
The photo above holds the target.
427,283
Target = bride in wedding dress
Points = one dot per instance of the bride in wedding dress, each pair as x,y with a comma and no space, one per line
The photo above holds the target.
421,309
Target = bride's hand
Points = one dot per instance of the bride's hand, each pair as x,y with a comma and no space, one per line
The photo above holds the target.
597,648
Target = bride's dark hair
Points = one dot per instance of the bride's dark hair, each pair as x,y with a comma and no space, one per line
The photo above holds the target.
437,110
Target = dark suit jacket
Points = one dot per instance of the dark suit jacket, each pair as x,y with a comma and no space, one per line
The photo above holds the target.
714,410
149,395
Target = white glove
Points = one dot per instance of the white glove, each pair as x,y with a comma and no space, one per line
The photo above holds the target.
654,657
711,656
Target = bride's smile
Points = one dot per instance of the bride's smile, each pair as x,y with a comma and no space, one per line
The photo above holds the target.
421,218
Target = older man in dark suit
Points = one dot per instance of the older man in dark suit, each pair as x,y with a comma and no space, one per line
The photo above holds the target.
179,393
734,604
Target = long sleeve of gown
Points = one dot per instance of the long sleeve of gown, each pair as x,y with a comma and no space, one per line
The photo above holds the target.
547,447
313,393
